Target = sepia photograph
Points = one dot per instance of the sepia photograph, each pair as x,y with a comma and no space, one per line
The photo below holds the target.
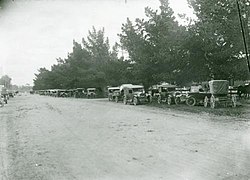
124,90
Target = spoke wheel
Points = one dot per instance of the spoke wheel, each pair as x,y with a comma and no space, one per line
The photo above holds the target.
169,100
205,101
212,102
135,101
116,99
125,100
177,100
150,99
191,101
234,101
159,99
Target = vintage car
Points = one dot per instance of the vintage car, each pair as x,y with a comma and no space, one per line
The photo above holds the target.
134,94
79,93
168,94
91,92
62,93
180,95
216,93
154,91
114,94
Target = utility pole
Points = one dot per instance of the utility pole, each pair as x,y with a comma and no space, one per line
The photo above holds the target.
243,35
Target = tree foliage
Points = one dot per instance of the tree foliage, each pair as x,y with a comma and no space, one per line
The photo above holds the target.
218,34
154,45
90,64
6,81
159,50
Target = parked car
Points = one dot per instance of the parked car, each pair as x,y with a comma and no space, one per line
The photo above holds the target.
79,93
216,94
91,92
62,93
114,94
180,95
168,94
134,94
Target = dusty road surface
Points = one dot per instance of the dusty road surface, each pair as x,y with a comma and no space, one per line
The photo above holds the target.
46,138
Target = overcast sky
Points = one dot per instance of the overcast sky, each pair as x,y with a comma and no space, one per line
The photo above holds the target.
33,33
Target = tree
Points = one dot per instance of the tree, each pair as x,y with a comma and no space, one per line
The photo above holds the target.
216,38
90,64
6,81
154,45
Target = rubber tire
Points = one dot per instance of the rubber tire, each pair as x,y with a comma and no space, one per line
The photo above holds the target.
212,102
159,100
234,102
124,101
169,100
135,101
193,101
205,101
150,99
177,100
116,99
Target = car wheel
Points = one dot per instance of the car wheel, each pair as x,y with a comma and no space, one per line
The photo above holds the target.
177,100
116,99
125,100
159,99
150,99
169,100
135,101
191,101
234,101
212,102
205,101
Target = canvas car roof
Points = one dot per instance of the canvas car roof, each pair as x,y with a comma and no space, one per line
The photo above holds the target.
111,88
167,86
130,86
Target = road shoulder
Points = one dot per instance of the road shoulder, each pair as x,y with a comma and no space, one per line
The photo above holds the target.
3,147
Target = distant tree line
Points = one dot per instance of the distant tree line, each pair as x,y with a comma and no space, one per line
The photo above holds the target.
159,50
6,81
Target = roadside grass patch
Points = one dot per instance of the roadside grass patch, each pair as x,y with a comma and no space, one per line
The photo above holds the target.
239,111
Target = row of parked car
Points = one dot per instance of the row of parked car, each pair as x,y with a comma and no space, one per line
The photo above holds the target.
212,93
76,93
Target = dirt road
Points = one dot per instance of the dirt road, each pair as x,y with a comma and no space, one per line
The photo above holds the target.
46,138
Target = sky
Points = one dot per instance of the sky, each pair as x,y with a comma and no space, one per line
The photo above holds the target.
34,33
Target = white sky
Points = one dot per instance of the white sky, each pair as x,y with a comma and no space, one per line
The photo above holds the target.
33,33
